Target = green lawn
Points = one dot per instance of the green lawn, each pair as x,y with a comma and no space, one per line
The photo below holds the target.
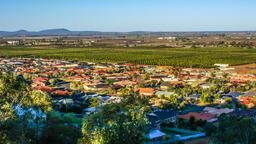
187,57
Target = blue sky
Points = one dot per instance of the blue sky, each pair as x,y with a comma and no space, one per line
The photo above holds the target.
128,15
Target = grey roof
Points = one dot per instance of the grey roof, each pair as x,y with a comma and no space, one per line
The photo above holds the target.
165,114
160,115
232,94
251,93
244,113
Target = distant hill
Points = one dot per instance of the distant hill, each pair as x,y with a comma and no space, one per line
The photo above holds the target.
66,32
57,32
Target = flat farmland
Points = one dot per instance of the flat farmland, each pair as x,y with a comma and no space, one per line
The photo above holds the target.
181,57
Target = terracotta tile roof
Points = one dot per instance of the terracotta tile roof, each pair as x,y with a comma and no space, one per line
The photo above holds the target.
44,89
146,91
30,71
247,100
40,79
61,92
75,78
125,82
201,116
128,64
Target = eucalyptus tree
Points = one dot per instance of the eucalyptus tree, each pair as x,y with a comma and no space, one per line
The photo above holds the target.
20,110
114,124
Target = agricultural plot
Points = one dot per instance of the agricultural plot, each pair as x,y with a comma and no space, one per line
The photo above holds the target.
184,57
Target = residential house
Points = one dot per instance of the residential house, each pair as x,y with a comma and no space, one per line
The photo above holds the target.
164,93
199,116
40,81
206,86
95,87
90,110
231,95
146,91
161,116
194,97
248,99
124,83
62,93
155,135
44,89
217,111
165,85
243,113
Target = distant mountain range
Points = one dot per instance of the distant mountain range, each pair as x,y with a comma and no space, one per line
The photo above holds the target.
52,32
66,32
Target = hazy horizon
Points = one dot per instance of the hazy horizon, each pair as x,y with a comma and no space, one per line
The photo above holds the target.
126,16
128,31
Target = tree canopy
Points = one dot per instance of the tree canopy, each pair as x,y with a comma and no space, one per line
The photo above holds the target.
114,124
17,101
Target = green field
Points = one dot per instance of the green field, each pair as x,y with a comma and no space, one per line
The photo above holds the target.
185,57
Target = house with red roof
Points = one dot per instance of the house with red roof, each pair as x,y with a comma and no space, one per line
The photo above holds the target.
39,79
44,89
75,78
61,93
249,101
146,91
124,83
198,116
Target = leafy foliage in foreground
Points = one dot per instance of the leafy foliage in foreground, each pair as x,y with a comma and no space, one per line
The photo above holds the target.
14,91
114,125
233,130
